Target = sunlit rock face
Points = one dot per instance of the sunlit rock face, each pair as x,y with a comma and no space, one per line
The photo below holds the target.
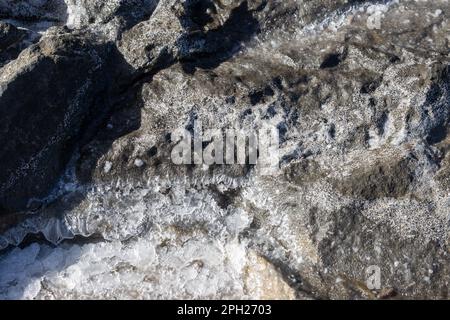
93,206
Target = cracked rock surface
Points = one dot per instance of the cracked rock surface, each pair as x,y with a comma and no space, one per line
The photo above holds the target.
92,206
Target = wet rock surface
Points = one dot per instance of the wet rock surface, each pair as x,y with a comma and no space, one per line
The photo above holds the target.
359,92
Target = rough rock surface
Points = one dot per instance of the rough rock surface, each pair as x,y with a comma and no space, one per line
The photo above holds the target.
50,96
359,92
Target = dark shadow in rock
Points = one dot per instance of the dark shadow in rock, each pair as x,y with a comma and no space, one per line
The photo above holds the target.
438,133
198,13
332,60
42,125
436,115
135,11
11,42
219,44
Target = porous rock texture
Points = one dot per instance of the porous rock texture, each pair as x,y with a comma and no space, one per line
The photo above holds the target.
90,92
